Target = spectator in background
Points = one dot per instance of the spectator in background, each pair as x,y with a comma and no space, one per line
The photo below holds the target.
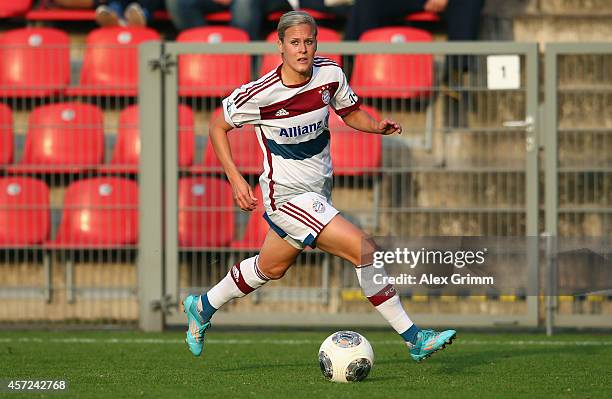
462,24
462,16
126,12
498,17
90,4
250,15
186,14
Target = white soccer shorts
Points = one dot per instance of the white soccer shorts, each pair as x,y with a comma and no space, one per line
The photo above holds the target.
300,220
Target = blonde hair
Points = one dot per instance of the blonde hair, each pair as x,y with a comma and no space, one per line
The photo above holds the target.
294,18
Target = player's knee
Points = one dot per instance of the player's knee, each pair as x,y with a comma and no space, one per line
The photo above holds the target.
274,271
362,254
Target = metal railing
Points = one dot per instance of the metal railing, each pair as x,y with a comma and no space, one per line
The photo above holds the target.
466,165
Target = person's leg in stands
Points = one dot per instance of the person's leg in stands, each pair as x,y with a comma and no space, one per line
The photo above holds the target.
365,15
140,13
250,15
463,24
109,13
187,14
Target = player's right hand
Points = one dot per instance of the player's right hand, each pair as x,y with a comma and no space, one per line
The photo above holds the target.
243,194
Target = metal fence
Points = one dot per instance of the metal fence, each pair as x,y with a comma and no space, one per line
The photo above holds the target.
578,143
461,168
160,223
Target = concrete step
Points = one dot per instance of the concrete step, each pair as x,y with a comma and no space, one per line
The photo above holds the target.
575,7
585,71
469,190
584,190
456,224
585,149
501,149
583,109
585,224
546,28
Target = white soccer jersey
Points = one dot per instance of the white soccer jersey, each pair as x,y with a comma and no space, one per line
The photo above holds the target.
292,128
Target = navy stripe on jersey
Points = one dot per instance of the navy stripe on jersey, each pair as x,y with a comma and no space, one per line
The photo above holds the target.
264,140
299,151
301,103
274,227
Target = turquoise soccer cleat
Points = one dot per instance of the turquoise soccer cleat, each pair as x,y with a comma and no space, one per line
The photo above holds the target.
429,342
196,326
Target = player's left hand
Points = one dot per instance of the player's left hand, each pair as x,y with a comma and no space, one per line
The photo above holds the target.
388,126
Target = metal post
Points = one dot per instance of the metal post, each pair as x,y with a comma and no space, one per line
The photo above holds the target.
532,180
551,282
150,249
48,276
551,196
170,184
70,280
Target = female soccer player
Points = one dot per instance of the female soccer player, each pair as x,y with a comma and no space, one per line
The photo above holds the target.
289,108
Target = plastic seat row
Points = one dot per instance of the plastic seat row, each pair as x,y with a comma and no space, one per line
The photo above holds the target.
69,138
45,13
102,213
36,63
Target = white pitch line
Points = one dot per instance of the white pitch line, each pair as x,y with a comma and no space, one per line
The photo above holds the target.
75,340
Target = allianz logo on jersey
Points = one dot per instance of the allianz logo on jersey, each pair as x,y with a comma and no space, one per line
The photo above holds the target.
295,131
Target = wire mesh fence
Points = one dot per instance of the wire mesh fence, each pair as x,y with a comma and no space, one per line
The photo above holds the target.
578,154
72,166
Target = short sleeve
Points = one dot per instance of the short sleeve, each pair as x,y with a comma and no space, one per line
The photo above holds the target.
345,100
240,109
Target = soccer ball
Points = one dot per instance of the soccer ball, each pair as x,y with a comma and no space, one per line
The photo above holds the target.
346,356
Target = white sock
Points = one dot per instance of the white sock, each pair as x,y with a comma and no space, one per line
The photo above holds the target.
243,278
383,297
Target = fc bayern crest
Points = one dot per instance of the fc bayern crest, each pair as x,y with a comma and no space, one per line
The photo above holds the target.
325,97
318,206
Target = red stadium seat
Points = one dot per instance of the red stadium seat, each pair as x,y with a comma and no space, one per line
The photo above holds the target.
245,151
6,135
126,155
213,75
63,138
317,15
24,211
424,16
221,16
99,213
110,63
44,12
271,61
390,75
256,228
14,8
353,152
206,213
35,62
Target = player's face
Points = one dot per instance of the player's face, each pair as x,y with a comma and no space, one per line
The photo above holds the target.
298,48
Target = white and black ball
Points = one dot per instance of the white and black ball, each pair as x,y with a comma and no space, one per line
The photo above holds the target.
346,356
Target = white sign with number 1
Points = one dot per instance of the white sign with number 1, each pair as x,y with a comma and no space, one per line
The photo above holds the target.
503,72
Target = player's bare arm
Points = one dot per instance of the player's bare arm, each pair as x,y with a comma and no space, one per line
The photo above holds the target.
361,120
243,193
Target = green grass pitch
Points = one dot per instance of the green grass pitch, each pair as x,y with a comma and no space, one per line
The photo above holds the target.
284,365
